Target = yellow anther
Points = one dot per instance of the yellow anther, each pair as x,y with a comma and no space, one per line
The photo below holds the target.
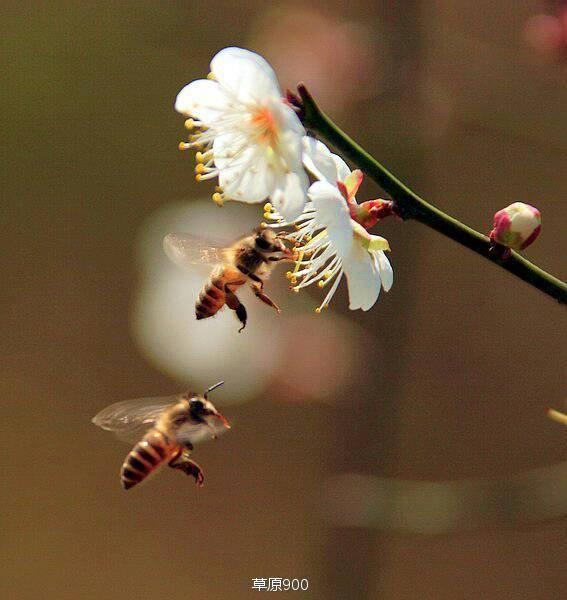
267,207
320,283
189,124
318,310
328,275
294,282
267,215
200,157
184,146
217,199
200,168
289,274
218,188
263,225
198,177
211,77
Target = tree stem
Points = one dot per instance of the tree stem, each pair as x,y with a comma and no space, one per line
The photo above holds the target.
410,206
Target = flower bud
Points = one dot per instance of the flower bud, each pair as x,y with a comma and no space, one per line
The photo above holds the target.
516,226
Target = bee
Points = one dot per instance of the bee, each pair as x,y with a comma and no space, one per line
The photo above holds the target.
250,259
172,424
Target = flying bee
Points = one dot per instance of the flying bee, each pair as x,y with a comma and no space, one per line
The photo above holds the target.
172,424
250,259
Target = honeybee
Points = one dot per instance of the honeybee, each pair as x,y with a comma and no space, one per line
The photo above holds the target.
250,259
173,424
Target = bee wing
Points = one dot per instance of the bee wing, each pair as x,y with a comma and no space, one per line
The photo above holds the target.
186,250
129,419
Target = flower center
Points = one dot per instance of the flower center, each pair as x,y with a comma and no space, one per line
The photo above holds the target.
265,125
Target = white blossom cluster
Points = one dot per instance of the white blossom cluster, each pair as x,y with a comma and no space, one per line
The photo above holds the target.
250,140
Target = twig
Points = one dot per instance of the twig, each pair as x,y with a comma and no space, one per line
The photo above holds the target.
410,206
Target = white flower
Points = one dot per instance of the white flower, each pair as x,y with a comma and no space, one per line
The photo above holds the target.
329,243
250,138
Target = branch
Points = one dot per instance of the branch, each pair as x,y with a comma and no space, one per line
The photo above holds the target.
410,206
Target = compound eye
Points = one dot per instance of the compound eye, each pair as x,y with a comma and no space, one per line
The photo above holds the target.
262,242
197,405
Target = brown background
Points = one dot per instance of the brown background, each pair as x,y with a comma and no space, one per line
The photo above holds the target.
470,116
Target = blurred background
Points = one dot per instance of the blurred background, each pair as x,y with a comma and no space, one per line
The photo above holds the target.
402,453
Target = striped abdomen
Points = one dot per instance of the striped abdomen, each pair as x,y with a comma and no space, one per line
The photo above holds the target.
154,449
213,296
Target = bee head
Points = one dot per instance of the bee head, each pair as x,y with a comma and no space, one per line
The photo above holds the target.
201,409
267,240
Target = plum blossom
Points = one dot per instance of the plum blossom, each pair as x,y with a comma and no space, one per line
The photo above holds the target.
247,135
330,236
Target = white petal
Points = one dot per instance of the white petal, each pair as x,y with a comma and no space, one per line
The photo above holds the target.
333,214
224,147
290,195
202,99
246,178
245,74
362,277
318,160
343,170
287,118
385,269
289,149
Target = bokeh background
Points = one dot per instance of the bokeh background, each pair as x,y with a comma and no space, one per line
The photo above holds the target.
398,454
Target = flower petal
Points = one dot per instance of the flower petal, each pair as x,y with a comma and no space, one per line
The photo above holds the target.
244,178
202,99
318,160
224,147
343,170
290,195
245,74
288,148
363,278
332,213
287,118
385,268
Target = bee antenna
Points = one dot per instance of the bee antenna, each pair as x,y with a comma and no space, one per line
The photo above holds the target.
213,387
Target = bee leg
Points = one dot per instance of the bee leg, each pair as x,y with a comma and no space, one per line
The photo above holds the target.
188,466
258,281
234,304
261,295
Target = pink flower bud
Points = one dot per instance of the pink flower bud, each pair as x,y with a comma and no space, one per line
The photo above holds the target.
516,226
